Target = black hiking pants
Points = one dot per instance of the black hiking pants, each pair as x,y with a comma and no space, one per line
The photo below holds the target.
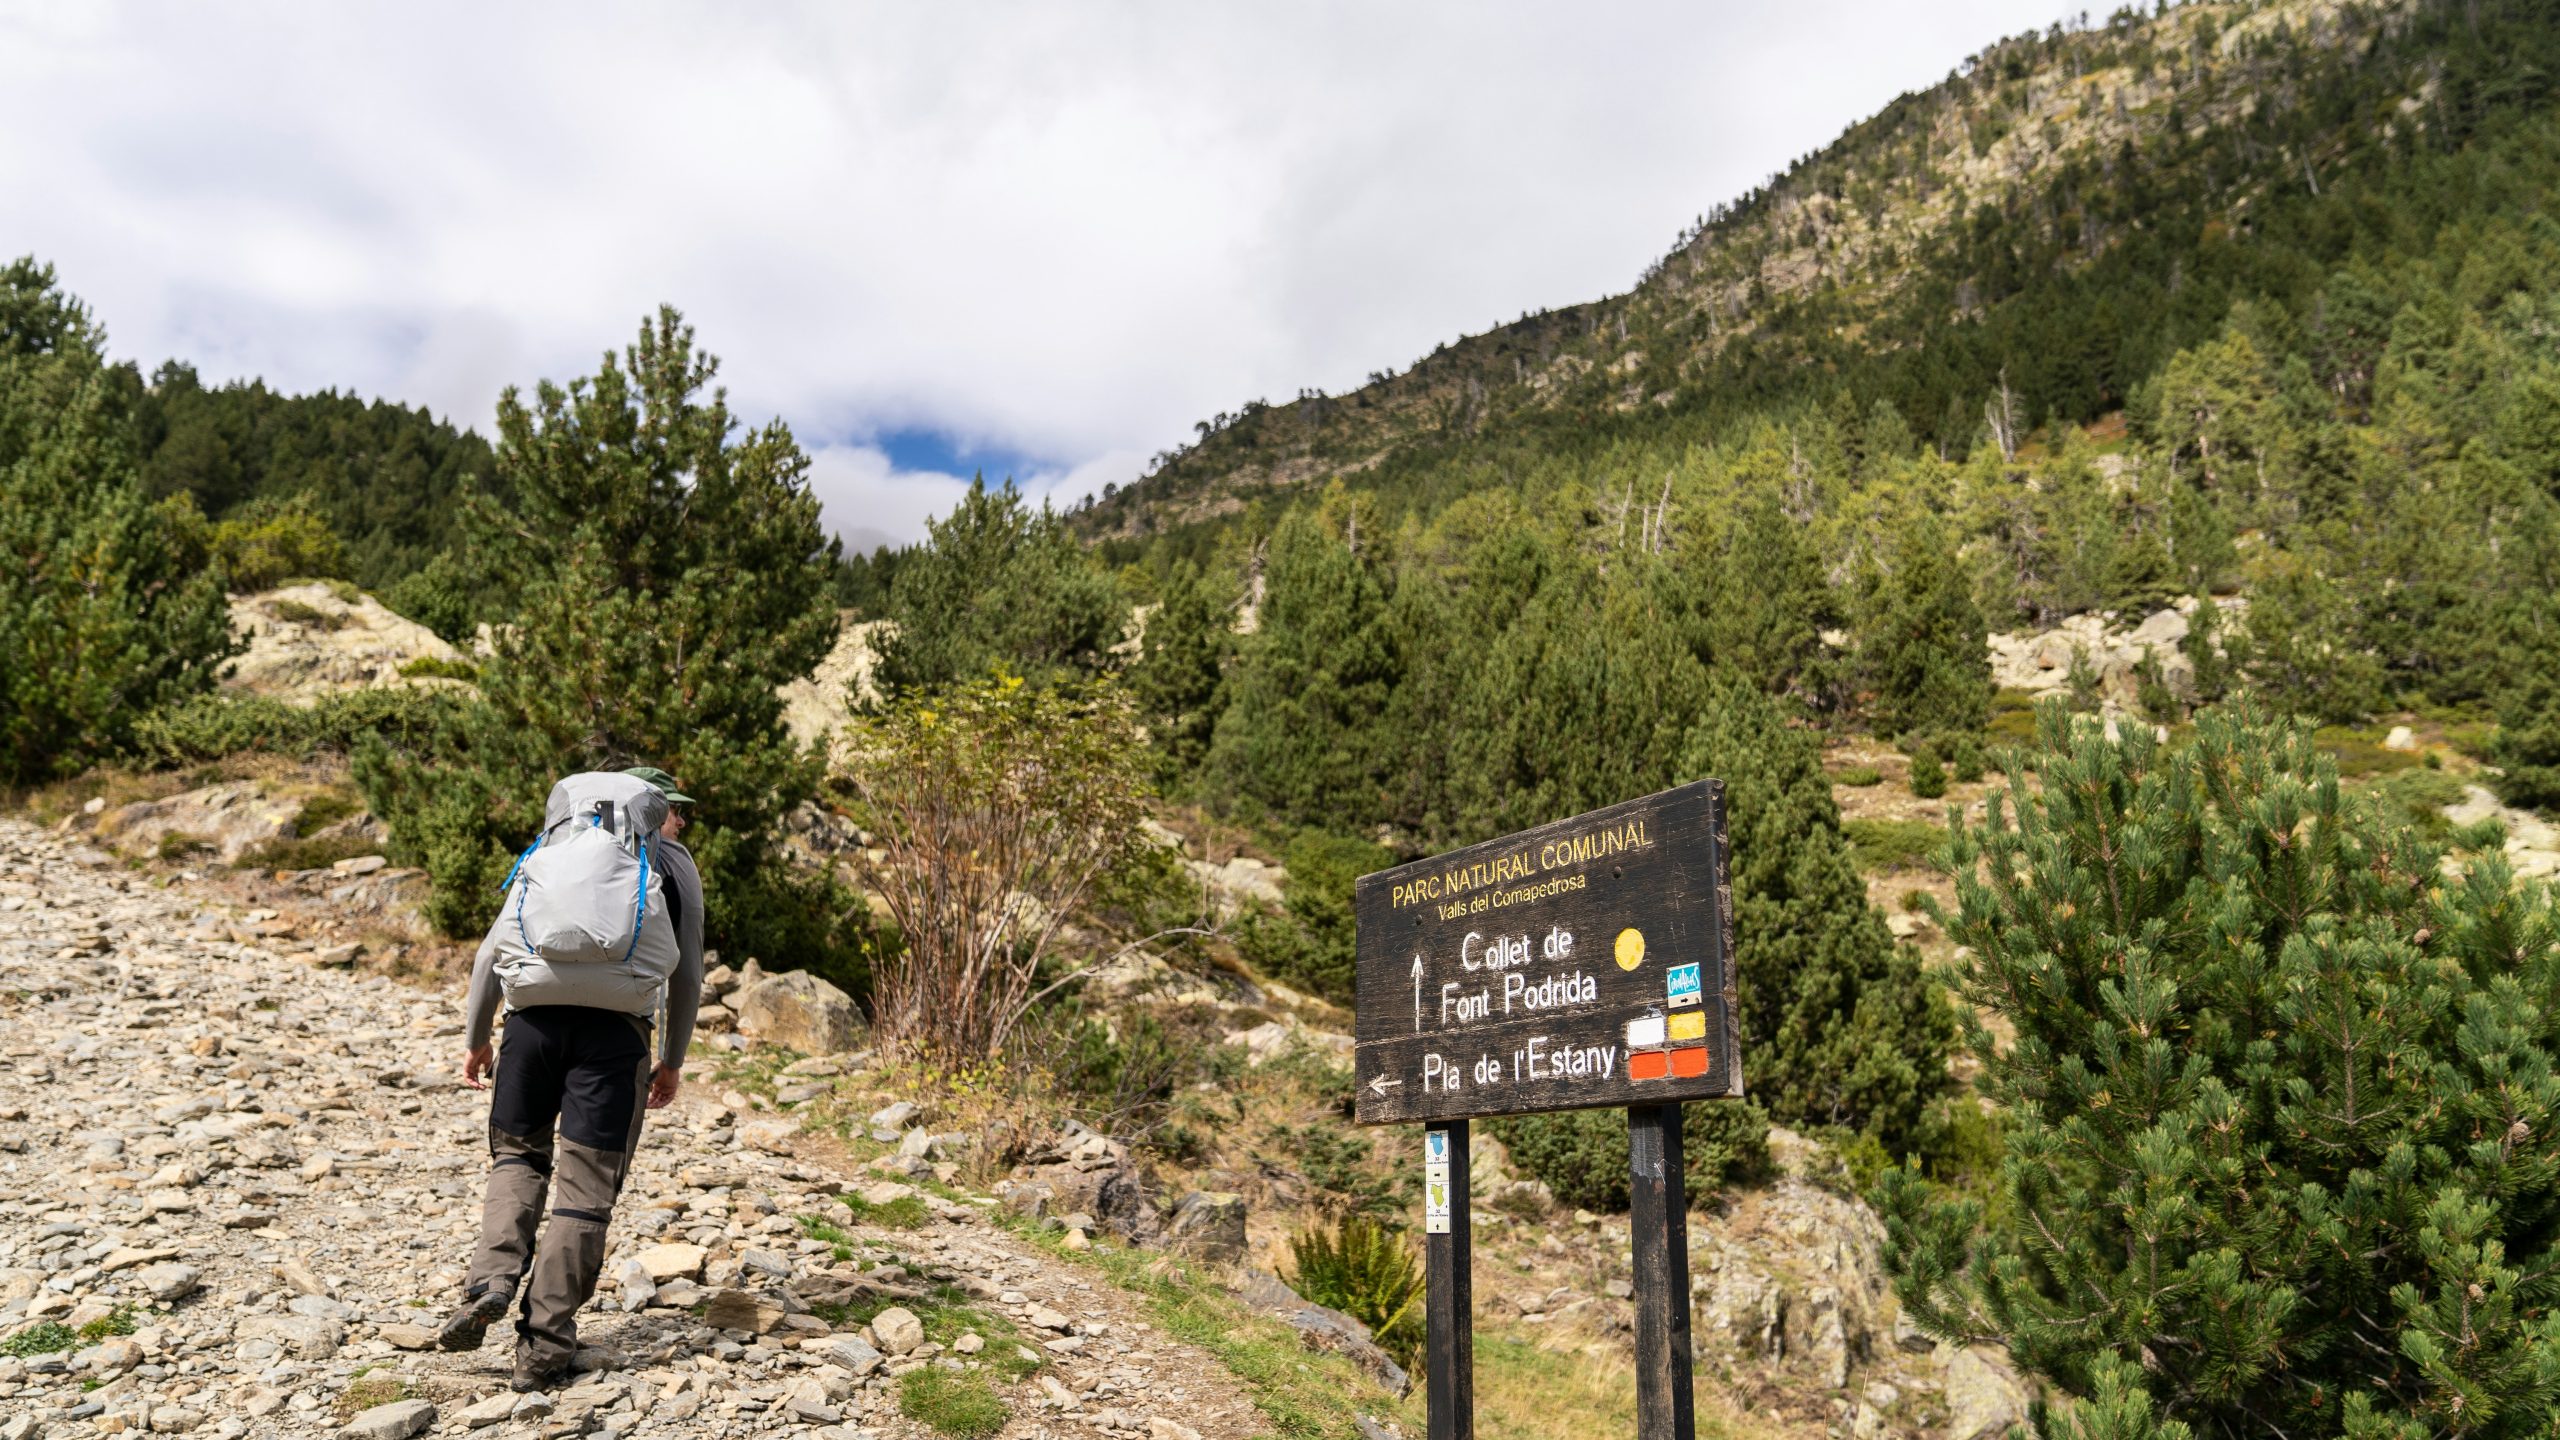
564,1117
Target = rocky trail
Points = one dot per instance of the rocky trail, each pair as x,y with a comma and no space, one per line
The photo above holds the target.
241,1189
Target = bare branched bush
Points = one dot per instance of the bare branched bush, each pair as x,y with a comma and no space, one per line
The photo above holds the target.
1000,806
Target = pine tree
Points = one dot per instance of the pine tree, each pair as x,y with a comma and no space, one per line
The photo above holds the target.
109,603
1923,647
997,585
1303,736
1183,657
1842,1026
2282,1101
669,574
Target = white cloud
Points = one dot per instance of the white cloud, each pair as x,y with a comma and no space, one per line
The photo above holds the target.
1064,232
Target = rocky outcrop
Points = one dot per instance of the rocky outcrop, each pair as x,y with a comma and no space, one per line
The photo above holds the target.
305,641
2533,843
798,1011
1087,1177
217,822
2110,652
815,707
1790,1278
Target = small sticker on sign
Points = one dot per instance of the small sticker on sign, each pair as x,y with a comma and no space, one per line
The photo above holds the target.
1435,1199
1435,1147
1683,983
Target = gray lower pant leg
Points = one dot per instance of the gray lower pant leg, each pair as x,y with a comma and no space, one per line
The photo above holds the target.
519,1179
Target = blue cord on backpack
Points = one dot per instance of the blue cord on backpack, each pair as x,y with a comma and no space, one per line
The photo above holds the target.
640,906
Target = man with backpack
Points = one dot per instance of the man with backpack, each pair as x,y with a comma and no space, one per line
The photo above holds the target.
600,929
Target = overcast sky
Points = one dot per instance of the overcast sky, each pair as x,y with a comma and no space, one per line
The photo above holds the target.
1038,239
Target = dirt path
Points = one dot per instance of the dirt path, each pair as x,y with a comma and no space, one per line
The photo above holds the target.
265,1172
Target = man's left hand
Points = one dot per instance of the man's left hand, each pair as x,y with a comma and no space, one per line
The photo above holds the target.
663,1083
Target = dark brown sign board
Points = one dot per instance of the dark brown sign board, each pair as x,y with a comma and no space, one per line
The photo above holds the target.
1584,963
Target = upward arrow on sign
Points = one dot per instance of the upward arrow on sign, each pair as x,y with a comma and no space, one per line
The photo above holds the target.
1417,993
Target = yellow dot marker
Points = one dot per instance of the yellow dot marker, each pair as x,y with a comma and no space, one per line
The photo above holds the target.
1630,948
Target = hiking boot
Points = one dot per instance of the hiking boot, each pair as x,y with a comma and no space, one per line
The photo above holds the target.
531,1376
467,1326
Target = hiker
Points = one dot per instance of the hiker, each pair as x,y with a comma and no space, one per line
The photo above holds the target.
602,924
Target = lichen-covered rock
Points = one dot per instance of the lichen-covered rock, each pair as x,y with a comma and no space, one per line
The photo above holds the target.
1208,1225
797,1011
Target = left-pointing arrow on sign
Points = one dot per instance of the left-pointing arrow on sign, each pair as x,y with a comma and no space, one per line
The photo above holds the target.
1378,1084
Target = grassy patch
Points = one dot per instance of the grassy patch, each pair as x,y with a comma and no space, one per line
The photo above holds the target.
1880,847
951,1402
368,1390
2418,796
907,1212
826,1234
294,612
1301,1392
41,1339
2359,752
1858,777
946,1314
1524,1392
2012,720
118,1321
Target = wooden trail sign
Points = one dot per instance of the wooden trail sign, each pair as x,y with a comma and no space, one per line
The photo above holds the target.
1584,963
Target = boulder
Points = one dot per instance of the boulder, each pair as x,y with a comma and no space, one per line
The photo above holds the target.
739,1310
396,1421
797,1011
772,1134
1322,1328
673,1262
309,1337
897,1329
169,1280
1091,1175
1208,1225
1983,1394
2402,739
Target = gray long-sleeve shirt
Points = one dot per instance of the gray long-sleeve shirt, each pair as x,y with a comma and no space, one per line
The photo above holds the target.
683,888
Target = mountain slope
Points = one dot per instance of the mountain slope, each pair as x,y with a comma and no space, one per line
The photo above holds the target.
2063,214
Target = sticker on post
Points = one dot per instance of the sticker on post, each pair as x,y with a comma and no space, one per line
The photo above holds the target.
1435,1197
1435,1147
1683,983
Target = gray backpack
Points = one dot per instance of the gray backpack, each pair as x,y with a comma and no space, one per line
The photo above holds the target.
586,919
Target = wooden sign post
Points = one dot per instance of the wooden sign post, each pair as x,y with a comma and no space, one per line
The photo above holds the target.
1582,964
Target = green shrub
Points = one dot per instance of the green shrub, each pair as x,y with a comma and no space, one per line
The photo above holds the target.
1858,777
267,542
43,1338
957,1403
1582,1157
1928,777
2276,1083
1880,847
1367,1272
907,1212
437,667
1123,1083
118,1321
224,723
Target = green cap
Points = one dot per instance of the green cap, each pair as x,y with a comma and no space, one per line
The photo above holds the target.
665,782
